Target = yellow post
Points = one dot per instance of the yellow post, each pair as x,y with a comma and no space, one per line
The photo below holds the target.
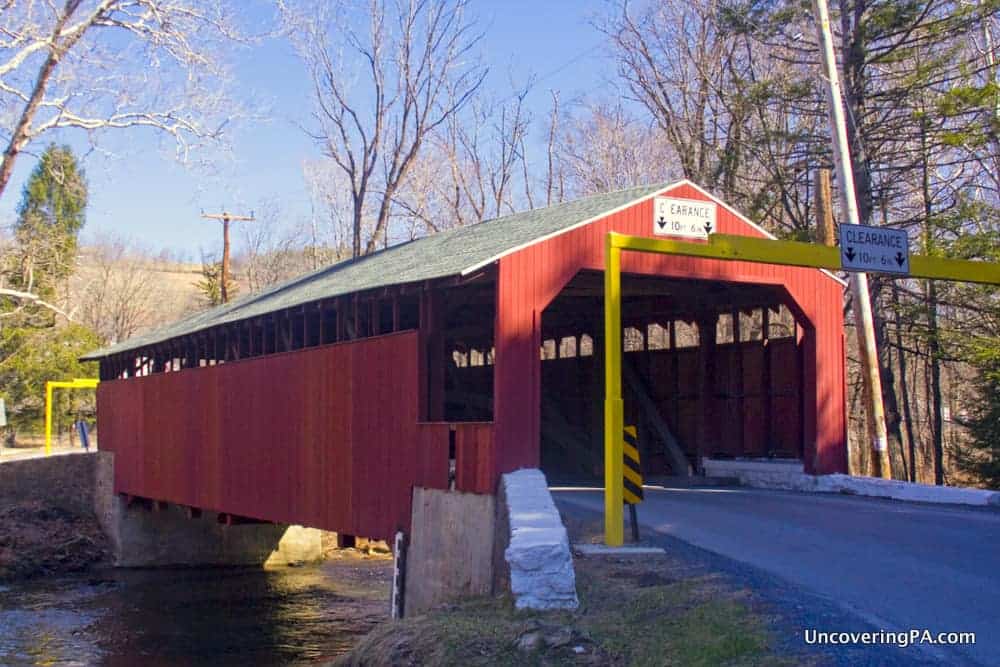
613,407
48,418
75,383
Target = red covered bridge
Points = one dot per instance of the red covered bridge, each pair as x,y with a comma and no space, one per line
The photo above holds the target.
325,400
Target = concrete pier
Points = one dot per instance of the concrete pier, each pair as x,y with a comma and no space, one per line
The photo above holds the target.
155,534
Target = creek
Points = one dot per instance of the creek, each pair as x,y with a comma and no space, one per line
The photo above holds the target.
197,616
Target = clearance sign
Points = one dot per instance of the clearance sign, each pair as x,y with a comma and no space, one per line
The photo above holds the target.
686,218
874,249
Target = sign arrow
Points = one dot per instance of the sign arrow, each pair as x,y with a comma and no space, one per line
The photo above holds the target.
850,253
708,227
661,222
900,259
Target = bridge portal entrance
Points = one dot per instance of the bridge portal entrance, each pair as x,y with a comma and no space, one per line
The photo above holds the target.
711,369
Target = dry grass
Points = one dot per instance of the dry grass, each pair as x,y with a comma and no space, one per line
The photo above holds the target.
633,612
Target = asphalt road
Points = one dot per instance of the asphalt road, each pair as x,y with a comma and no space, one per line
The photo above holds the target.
890,565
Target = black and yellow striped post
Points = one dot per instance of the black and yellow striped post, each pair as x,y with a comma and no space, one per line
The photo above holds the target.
632,477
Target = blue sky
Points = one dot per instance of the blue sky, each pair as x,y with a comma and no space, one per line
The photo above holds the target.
143,194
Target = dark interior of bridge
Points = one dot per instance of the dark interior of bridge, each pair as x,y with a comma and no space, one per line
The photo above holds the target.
710,369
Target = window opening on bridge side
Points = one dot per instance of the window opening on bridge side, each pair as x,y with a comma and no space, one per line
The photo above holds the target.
323,322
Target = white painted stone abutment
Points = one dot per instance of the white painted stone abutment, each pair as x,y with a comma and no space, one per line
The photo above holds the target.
791,475
538,556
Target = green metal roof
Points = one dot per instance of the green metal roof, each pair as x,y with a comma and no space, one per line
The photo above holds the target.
448,253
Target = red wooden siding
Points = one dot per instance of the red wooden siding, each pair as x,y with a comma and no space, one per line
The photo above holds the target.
329,436
326,437
529,279
474,457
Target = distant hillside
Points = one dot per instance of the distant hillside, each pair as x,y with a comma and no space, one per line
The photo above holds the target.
119,293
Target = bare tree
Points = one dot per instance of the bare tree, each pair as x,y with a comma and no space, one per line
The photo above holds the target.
332,210
484,153
678,63
603,148
274,252
416,62
97,65
113,291
554,174
28,298
473,168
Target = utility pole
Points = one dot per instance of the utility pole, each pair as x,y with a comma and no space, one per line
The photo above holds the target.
827,235
226,218
991,65
825,232
871,375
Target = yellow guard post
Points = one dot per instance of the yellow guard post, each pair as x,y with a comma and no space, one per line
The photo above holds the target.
613,408
724,247
77,383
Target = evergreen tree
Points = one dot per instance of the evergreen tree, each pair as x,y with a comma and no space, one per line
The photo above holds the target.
35,347
50,216
982,457
210,284
32,357
974,333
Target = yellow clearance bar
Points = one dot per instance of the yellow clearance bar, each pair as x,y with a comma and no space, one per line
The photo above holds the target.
795,253
730,248
76,383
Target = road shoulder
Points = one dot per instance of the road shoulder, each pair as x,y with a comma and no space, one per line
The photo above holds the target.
787,608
